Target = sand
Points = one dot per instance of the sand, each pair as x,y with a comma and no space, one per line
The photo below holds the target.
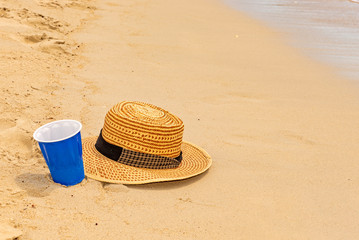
280,127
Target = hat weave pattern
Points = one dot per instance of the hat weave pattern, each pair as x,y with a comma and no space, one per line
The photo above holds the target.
144,128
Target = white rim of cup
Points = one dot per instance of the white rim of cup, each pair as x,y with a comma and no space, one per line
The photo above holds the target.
57,140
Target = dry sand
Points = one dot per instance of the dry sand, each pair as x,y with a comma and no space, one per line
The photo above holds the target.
281,128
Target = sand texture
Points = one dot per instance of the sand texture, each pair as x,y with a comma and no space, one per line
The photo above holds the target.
282,129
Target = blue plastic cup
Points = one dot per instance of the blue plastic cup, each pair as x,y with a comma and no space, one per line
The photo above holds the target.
60,144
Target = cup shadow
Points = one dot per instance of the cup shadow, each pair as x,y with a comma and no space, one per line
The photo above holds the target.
36,185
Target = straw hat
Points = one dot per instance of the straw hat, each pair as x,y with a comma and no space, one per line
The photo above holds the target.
141,143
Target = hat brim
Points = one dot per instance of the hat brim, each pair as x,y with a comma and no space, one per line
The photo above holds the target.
195,161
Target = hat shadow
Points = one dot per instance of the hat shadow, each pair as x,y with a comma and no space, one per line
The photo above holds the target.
159,186
36,185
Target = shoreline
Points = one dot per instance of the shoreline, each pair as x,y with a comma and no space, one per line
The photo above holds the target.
281,128
326,32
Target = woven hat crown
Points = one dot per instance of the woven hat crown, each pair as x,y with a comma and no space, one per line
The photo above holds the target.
143,127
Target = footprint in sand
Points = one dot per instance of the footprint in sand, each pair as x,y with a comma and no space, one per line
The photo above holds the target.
36,38
80,5
20,23
44,43
41,21
54,46
50,4
35,20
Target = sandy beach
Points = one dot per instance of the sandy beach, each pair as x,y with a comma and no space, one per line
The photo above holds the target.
281,128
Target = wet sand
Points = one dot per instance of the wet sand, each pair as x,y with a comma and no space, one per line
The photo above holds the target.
324,30
280,127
